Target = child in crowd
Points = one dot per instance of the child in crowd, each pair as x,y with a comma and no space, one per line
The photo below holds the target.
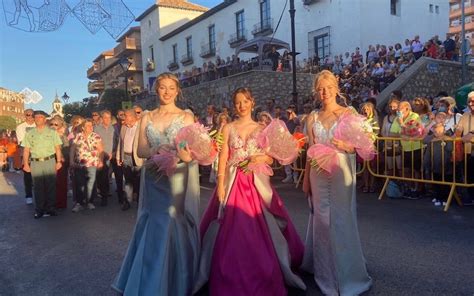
437,160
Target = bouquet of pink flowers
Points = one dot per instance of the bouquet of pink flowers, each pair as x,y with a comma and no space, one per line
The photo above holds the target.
351,128
323,157
203,149
278,143
413,129
356,130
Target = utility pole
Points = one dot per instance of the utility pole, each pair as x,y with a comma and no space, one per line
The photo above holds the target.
463,44
293,52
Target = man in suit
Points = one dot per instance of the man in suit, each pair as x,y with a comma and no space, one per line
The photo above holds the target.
127,157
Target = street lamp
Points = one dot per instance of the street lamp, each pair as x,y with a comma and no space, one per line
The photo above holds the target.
65,98
293,52
125,63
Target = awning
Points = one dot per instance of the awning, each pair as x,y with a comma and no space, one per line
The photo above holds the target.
261,45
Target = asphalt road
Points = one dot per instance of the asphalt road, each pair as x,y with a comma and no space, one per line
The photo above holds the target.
411,247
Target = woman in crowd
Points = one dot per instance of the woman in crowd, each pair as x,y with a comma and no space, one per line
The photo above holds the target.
256,246
58,124
162,256
448,105
368,110
222,120
333,252
85,157
392,149
421,106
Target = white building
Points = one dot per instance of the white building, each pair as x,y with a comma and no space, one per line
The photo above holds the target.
328,27
157,21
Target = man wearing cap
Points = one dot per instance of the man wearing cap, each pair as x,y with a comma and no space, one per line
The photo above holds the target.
465,129
42,148
21,130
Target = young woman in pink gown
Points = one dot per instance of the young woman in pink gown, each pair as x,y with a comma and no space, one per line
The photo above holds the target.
249,244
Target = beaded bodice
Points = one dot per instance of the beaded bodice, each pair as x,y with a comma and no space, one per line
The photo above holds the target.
241,149
157,138
321,134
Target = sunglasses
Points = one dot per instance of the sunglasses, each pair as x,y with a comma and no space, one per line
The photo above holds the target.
54,124
138,112
28,115
95,115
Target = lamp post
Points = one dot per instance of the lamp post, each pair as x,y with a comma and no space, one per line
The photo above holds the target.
65,98
125,63
463,44
293,52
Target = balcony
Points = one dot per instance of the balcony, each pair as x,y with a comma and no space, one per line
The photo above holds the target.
173,65
95,86
93,72
208,51
187,59
468,10
469,27
263,28
237,39
127,46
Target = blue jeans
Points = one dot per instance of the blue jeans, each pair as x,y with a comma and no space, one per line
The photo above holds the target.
84,183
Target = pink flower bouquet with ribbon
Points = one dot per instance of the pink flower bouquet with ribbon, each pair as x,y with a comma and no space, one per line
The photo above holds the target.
196,137
278,143
323,157
202,147
356,130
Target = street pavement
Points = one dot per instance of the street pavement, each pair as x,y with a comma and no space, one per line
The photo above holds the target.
411,247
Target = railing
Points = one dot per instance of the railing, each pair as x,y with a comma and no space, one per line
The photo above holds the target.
263,28
237,38
451,173
93,72
187,59
96,86
173,65
208,50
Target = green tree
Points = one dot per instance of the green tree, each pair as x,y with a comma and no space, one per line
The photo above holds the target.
74,108
112,100
7,122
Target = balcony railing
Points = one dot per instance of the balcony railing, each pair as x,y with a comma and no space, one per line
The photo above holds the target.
96,86
263,28
93,72
173,65
127,46
237,38
208,51
187,59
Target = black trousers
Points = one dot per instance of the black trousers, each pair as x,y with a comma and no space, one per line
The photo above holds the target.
103,179
132,174
28,182
118,173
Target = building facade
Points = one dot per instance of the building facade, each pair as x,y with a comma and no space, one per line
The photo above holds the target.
325,27
159,20
107,71
455,19
12,104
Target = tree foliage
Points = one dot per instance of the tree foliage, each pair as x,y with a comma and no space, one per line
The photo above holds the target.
112,99
7,122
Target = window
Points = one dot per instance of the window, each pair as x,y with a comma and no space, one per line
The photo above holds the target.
189,46
395,7
175,53
265,13
239,23
321,45
431,8
149,23
437,9
152,53
212,37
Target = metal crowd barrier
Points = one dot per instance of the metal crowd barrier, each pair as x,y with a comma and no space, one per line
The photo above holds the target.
458,177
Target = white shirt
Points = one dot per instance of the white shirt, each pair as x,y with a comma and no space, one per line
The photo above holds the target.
417,46
128,138
21,130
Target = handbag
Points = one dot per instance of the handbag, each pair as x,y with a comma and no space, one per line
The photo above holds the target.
394,190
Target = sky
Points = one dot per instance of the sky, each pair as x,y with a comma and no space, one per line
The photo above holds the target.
57,61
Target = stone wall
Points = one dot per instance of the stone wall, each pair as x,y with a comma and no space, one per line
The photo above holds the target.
427,77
